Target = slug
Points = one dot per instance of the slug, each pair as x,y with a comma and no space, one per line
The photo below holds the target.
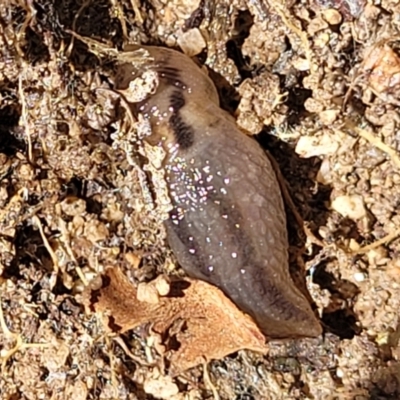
228,223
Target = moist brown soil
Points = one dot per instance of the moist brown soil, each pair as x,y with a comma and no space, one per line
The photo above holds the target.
316,80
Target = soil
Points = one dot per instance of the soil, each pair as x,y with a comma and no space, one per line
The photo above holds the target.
316,81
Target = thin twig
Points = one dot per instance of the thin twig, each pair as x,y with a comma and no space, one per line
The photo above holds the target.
19,343
138,15
76,17
66,243
136,359
371,138
208,382
120,15
24,113
385,240
46,243
284,13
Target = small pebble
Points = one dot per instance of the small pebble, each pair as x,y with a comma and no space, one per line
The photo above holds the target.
332,16
192,42
301,64
328,117
147,293
162,286
313,106
359,277
162,387
349,206
339,373
316,146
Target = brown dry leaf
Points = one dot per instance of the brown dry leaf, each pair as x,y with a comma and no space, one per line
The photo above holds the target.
214,327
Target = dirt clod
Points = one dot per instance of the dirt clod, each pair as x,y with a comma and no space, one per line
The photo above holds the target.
315,81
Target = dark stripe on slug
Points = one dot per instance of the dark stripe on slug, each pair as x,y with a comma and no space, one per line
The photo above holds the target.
170,75
273,297
262,287
177,101
184,133
182,231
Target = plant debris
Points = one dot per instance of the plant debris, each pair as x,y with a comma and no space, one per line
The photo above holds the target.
82,198
211,327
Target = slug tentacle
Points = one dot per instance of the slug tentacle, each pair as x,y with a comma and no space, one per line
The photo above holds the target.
228,224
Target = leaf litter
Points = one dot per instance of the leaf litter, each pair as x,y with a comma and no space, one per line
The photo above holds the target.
75,202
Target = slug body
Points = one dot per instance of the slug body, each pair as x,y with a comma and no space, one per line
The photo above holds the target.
228,224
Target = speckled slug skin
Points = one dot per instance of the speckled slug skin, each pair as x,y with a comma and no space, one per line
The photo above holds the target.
228,225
